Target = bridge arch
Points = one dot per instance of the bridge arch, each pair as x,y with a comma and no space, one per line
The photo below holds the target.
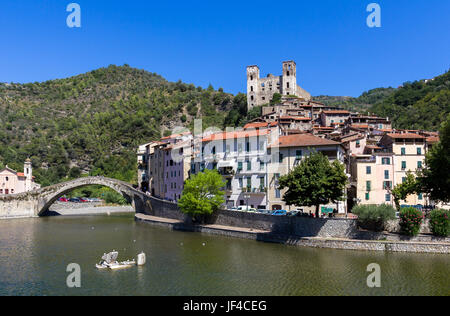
48,195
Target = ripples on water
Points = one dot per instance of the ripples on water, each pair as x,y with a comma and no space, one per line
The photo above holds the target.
34,254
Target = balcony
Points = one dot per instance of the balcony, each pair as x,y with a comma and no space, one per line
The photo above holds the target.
255,191
226,171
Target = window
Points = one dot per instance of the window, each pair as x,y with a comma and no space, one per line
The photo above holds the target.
419,165
247,146
281,157
385,161
358,144
386,174
261,183
298,154
387,185
419,151
367,196
403,151
7,178
403,179
249,184
388,197
261,145
249,165
261,165
403,165
368,185
241,182
368,170
277,193
287,85
251,88
239,165
420,196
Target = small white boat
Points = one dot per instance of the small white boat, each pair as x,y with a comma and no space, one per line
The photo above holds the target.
109,261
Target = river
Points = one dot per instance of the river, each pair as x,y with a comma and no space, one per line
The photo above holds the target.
35,252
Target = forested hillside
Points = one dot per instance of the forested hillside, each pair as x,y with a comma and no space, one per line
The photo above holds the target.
420,104
360,104
93,122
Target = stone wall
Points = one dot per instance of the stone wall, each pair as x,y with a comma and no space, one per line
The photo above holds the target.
24,206
290,226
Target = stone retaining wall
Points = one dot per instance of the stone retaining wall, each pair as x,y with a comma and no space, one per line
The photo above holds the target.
316,242
292,226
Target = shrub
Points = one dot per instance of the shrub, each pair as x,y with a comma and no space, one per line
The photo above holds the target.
440,222
374,217
410,221
114,198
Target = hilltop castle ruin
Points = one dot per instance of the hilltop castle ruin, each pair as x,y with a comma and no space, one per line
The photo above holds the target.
261,90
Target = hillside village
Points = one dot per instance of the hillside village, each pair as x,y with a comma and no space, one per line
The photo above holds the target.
253,158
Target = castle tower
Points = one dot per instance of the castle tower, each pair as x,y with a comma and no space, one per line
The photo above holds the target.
28,171
252,86
289,78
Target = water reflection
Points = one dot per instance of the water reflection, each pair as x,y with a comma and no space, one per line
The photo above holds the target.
34,254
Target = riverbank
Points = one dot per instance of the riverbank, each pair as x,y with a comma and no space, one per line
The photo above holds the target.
316,242
77,209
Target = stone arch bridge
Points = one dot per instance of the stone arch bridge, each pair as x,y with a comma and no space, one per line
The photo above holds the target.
37,202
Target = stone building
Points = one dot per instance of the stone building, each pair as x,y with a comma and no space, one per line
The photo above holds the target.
261,90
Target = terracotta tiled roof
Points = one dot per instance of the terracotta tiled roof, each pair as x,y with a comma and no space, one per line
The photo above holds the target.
260,125
302,140
432,139
359,126
236,134
324,128
405,135
336,112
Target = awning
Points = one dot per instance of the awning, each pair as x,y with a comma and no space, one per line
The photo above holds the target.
225,164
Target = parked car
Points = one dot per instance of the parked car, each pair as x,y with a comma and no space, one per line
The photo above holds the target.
280,213
94,200
63,199
74,200
243,208
233,209
84,200
263,211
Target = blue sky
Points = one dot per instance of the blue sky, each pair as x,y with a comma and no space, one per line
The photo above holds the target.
204,42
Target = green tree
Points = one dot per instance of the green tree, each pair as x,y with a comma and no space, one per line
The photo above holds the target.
314,181
202,194
435,177
276,99
407,187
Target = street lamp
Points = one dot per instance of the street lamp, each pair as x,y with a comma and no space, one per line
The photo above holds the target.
247,196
